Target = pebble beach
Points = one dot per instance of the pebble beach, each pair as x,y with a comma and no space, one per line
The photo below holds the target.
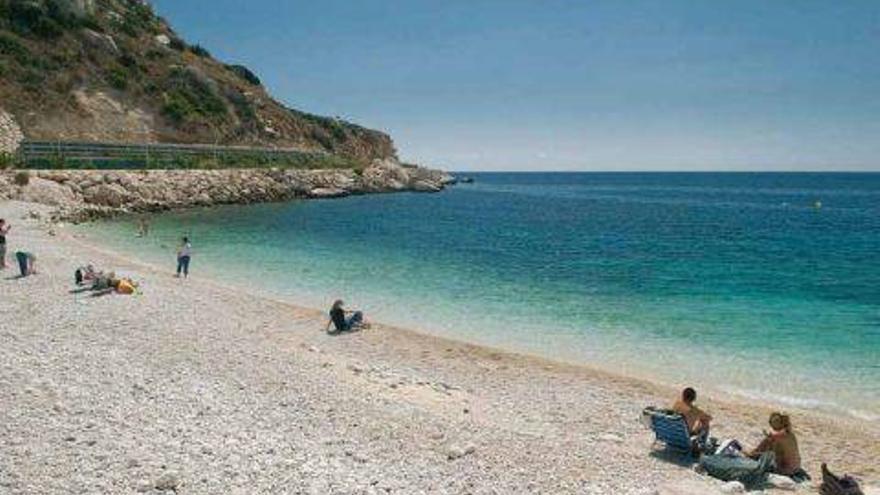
196,387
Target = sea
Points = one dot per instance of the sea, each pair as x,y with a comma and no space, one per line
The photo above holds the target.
764,286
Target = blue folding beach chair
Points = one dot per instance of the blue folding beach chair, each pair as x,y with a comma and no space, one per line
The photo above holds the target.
671,428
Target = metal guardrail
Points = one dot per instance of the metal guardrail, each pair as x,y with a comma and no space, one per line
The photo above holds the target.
92,151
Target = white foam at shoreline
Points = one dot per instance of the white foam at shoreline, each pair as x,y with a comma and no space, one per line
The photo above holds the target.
798,402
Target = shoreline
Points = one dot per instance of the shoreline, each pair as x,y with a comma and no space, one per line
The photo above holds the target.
738,400
813,405
510,395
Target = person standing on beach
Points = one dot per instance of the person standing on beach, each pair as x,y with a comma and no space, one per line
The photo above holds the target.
143,227
4,229
26,263
183,257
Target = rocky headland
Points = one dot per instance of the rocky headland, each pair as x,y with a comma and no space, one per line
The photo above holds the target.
82,195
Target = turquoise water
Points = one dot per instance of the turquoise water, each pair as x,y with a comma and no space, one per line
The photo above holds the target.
735,283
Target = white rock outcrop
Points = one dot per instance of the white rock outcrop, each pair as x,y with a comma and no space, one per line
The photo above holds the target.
10,133
86,194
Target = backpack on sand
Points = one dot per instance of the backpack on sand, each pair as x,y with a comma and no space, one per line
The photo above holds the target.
832,485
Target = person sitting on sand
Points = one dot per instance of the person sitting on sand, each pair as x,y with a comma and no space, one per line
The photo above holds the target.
26,263
783,443
697,420
339,320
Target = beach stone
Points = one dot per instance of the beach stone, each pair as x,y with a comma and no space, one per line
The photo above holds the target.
781,482
685,487
871,490
47,192
456,452
168,481
733,487
112,195
610,437
327,192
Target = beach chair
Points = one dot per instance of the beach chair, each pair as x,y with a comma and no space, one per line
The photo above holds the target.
671,429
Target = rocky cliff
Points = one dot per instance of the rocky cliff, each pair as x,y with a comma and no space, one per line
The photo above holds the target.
81,195
112,70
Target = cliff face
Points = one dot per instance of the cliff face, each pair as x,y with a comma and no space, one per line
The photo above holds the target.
111,70
86,194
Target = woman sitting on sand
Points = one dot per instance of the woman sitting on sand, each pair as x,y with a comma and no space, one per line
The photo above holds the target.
339,320
783,443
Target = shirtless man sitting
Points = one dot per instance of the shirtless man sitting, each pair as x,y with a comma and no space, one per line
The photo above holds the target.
697,420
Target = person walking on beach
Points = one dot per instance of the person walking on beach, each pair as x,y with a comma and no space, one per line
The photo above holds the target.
697,420
340,321
183,257
4,229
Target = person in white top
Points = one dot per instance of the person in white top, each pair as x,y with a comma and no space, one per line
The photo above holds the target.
183,257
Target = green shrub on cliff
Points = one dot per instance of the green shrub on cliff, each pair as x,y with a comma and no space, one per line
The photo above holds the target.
7,160
244,73
12,47
22,178
187,97
118,78
47,19
200,51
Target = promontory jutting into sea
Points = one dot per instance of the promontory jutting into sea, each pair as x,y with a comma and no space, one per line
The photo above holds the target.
204,290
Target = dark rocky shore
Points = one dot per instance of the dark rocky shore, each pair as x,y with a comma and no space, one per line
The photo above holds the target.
81,195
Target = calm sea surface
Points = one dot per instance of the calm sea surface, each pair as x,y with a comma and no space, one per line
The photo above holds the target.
762,285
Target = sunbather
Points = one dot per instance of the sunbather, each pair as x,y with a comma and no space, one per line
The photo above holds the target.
783,443
85,274
340,321
125,286
697,420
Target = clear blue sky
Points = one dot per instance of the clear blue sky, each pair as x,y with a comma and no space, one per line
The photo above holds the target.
572,85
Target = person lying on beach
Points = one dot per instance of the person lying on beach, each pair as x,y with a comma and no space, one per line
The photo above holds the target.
697,420
783,443
124,286
85,274
26,263
341,322
100,282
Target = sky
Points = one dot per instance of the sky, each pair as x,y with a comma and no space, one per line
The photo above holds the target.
572,85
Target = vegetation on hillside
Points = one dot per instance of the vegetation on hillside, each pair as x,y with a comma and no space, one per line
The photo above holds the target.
56,54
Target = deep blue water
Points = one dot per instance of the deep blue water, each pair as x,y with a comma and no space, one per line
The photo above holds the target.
766,285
